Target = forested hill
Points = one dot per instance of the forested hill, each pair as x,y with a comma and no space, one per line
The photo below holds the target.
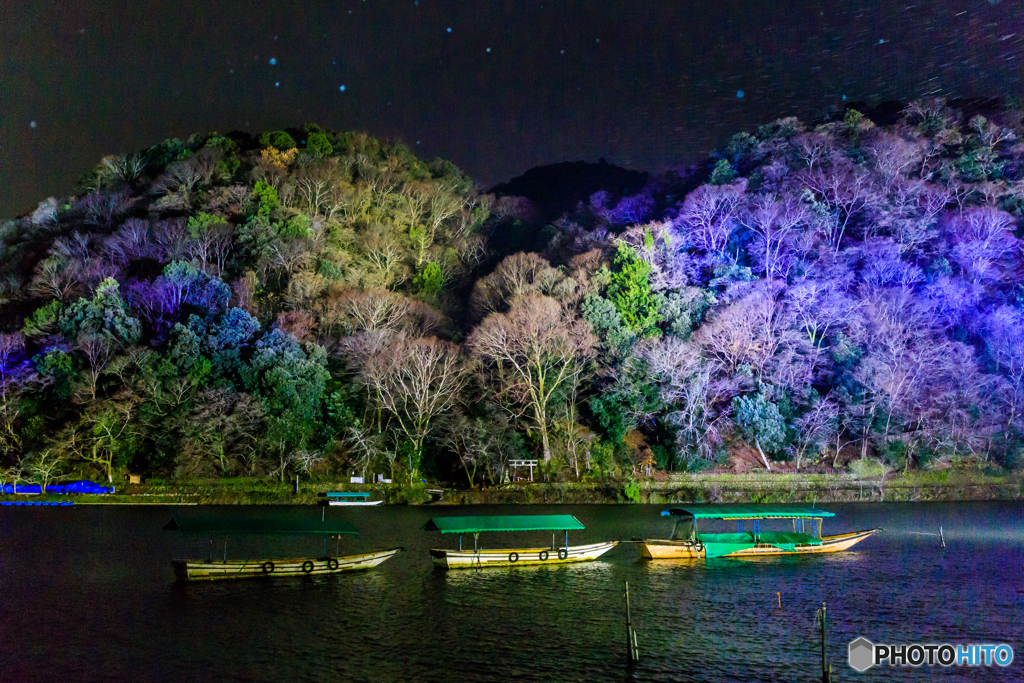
324,303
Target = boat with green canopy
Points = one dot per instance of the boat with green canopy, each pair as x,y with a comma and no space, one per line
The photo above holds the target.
749,539
512,557
225,525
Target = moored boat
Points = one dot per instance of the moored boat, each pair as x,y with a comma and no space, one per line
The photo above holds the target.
686,542
512,557
210,569
350,498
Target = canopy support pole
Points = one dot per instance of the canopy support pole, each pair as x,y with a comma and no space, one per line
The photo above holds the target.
225,548
567,541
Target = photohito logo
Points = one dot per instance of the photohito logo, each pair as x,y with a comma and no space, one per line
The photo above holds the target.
864,654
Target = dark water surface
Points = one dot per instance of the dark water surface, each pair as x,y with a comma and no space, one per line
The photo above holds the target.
87,594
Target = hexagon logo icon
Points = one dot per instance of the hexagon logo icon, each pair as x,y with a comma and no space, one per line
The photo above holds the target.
862,654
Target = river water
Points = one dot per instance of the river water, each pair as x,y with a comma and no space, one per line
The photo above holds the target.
87,594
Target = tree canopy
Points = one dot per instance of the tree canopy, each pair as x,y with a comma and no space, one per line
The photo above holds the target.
321,302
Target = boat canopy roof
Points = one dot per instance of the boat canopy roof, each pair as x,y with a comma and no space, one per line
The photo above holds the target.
226,524
468,525
747,512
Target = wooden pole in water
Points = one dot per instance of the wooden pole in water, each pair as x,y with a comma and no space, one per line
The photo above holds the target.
631,644
826,670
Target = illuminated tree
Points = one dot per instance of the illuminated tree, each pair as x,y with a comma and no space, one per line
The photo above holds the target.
535,352
416,381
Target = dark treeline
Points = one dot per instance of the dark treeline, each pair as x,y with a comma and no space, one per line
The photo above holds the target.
324,303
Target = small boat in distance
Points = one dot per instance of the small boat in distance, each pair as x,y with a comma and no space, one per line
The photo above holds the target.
210,569
350,498
512,557
686,543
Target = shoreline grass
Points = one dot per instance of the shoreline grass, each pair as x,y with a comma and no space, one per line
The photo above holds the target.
752,487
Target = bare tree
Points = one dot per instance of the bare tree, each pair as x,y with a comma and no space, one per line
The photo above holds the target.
817,427
536,351
894,157
211,245
468,439
687,385
747,332
366,445
322,187
110,429
131,241
11,346
814,149
186,176
772,219
1004,337
819,306
56,278
415,381
846,190
383,259
518,275
98,349
983,240
173,237
44,466
374,309
707,217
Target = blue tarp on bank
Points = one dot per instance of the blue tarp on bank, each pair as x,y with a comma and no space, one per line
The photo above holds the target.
43,503
70,487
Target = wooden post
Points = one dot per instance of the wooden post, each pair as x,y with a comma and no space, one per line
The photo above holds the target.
826,669
631,644
942,539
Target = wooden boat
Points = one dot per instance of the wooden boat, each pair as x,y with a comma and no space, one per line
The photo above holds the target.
194,570
686,543
512,557
350,498
210,569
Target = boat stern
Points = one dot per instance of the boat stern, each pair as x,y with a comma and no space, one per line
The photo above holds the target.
669,550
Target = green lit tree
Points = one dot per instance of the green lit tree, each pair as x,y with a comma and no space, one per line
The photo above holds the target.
630,292
760,422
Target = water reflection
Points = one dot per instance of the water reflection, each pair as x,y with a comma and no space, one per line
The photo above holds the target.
486,575
405,620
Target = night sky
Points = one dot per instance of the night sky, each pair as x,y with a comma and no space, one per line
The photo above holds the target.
496,86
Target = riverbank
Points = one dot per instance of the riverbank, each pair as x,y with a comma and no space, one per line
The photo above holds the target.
954,484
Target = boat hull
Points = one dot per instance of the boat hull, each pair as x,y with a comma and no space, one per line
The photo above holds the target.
354,502
516,557
198,570
681,550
